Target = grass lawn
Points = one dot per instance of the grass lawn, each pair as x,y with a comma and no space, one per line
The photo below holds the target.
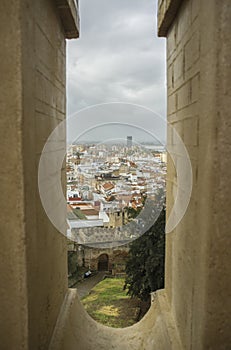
108,304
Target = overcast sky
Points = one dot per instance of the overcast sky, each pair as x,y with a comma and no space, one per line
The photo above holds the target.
118,58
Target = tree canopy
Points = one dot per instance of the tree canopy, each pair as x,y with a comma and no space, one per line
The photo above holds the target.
145,265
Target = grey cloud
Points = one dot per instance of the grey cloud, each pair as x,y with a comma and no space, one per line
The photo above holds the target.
118,56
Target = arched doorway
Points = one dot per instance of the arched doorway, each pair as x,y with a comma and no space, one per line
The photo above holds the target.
103,262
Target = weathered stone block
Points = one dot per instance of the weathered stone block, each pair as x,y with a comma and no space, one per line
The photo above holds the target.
171,104
192,50
183,96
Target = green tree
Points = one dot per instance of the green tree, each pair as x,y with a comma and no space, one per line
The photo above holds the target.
133,213
145,266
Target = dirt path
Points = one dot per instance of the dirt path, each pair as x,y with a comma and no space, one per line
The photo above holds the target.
84,287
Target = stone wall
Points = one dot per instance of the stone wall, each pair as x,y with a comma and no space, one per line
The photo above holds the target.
117,258
13,286
197,262
33,270
43,64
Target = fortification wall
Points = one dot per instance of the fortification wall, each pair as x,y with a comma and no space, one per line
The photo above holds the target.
33,269
198,79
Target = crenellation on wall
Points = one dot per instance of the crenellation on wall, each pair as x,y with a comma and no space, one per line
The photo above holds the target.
193,96
39,105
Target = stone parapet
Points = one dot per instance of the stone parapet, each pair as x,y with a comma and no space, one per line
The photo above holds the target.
75,329
198,87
